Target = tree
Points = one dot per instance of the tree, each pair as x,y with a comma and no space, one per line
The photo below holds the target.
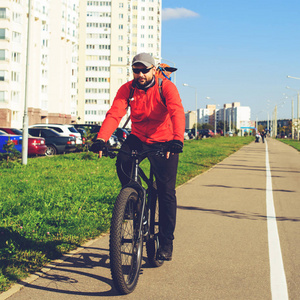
207,126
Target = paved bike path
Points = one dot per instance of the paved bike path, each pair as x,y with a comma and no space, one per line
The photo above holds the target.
221,239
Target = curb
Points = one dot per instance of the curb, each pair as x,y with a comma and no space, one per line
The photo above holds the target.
18,286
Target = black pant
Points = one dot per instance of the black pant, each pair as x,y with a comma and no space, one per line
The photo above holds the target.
165,171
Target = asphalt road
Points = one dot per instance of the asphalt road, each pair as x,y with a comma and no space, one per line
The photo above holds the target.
237,237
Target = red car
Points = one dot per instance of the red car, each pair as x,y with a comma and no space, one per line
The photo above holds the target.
36,145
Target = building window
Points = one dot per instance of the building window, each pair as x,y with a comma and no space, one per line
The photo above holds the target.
17,17
2,13
16,37
2,54
2,75
2,33
15,76
2,96
16,57
15,96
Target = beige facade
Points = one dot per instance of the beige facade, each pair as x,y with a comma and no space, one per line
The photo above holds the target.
12,62
52,61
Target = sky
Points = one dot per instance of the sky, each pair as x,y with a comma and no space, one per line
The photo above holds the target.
234,51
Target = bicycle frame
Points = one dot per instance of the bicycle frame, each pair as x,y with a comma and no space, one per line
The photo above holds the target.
126,243
134,183
137,171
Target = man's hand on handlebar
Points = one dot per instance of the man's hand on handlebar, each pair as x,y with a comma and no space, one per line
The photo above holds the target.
174,146
99,147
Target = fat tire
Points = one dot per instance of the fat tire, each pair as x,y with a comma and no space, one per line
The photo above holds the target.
153,243
125,250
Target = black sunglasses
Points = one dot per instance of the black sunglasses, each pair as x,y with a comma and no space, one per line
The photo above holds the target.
144,71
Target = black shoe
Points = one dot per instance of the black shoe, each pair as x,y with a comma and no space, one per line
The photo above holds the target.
165,252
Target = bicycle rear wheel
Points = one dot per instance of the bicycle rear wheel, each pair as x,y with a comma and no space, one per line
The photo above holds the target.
126,248
152,244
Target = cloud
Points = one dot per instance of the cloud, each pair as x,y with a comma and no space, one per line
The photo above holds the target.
178,13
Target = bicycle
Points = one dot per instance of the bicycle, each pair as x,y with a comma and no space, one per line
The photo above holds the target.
134,221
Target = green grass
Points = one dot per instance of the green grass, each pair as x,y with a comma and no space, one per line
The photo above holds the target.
54,204
293,143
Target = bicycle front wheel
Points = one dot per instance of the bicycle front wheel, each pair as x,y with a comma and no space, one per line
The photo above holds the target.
126,242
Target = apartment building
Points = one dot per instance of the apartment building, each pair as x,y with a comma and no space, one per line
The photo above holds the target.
233,113
203,115
12,61
52,61
111,34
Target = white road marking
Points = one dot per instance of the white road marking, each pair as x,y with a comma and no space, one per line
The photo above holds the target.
279,288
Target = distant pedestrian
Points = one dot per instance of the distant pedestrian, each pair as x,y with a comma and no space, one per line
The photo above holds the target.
263,135
257,137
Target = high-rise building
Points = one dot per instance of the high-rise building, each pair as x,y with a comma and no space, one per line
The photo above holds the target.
12,62
52,61
111,34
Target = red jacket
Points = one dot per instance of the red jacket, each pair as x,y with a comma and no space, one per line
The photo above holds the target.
152,121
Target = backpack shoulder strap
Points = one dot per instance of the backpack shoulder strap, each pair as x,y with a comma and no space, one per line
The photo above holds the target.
163,99
132,88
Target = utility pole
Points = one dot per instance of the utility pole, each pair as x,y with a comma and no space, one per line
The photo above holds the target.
25,117
224,113
292,118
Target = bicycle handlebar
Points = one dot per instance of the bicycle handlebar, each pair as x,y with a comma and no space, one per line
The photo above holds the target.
134,153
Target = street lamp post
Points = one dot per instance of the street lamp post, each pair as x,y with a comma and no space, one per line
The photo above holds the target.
25,117
196,128
298,134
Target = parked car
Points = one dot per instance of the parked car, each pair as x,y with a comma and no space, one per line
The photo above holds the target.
114,141
121,134
220,132
93,128
229,133
15,139
55,142
193,132
63,129
83,134
36,145
206,133
190,134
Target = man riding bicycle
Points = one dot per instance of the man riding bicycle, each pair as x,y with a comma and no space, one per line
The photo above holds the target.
154,123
